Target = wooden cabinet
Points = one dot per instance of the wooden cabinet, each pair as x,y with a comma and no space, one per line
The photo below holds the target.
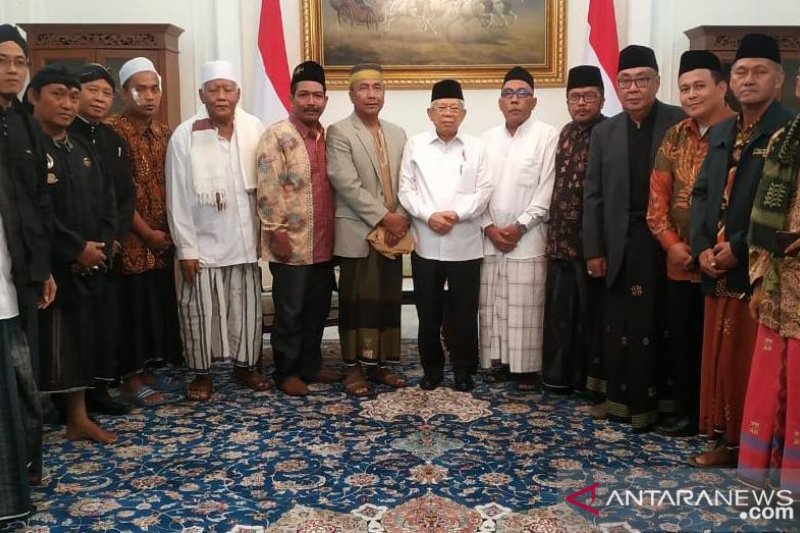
112,45
724,40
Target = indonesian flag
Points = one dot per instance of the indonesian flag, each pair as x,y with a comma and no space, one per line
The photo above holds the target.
272,79
602,50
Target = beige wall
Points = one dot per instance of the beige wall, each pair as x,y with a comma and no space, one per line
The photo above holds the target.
226,29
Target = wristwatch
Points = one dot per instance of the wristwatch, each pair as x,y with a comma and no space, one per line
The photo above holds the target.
522,228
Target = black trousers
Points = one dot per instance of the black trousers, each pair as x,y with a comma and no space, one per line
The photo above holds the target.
302,298
685,345
107,364
461,304
149,315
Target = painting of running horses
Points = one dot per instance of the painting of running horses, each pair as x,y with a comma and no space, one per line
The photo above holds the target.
421,41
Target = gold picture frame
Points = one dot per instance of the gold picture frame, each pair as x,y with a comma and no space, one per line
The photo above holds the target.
419,42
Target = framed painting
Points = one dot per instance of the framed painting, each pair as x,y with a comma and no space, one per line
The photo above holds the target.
419,42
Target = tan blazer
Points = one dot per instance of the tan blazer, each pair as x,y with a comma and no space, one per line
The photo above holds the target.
354,172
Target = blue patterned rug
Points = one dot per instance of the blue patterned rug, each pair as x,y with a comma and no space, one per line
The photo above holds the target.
405,461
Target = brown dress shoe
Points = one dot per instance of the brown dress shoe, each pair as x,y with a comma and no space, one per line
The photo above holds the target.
294,386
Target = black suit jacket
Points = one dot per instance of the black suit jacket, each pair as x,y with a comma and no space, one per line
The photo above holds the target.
710,185
606,196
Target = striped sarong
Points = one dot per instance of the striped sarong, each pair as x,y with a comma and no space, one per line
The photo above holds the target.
220,316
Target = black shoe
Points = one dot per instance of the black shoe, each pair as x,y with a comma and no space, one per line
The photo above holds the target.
682,427
430,382
99,401
464,384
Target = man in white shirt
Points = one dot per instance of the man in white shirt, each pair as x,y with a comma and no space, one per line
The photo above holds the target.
445,186
211,185
521,160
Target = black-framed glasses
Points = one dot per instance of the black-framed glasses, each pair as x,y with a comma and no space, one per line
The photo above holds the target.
589,98
519,93
641,83
19,63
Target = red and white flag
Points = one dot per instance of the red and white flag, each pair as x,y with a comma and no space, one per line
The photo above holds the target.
271,92
602,50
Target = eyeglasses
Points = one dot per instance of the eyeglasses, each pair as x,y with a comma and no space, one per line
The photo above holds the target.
19,63
442,109
641,83
589,98
519,93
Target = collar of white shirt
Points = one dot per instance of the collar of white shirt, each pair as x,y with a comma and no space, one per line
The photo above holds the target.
435,139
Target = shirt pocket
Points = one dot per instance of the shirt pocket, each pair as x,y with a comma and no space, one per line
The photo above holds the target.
528,170
467,179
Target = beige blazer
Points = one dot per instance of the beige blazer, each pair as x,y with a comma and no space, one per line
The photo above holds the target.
354,172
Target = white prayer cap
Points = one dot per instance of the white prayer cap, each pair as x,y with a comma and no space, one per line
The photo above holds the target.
218,70
135,66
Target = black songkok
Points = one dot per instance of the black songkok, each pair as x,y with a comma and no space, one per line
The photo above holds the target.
695,59
446,89
308,71
11,33
584,76
760,46
519,73
54,74
95,71
635,56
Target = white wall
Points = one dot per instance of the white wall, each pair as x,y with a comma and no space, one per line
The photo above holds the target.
226,29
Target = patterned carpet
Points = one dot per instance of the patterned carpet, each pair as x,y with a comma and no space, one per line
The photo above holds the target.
405,461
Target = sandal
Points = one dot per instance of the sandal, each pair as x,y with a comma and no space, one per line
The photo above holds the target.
250,379
146,397
199,390
719,457
165,384
381,374
355,384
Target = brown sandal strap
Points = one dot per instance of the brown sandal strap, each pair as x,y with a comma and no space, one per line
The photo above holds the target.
355,381
387,377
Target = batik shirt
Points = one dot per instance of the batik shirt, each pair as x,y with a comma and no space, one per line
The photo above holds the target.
148,151
564,238
294,193
677,165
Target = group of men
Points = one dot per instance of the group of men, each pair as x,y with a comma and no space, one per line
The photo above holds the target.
617,256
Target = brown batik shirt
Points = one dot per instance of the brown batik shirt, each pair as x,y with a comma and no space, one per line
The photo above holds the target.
148,152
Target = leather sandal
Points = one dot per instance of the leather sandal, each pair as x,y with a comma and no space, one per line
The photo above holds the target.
720,457
383,375
355,384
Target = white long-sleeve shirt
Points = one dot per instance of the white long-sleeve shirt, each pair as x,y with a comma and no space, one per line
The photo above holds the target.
522,169
438,176
217,238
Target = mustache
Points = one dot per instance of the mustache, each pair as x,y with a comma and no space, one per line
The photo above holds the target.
310,108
